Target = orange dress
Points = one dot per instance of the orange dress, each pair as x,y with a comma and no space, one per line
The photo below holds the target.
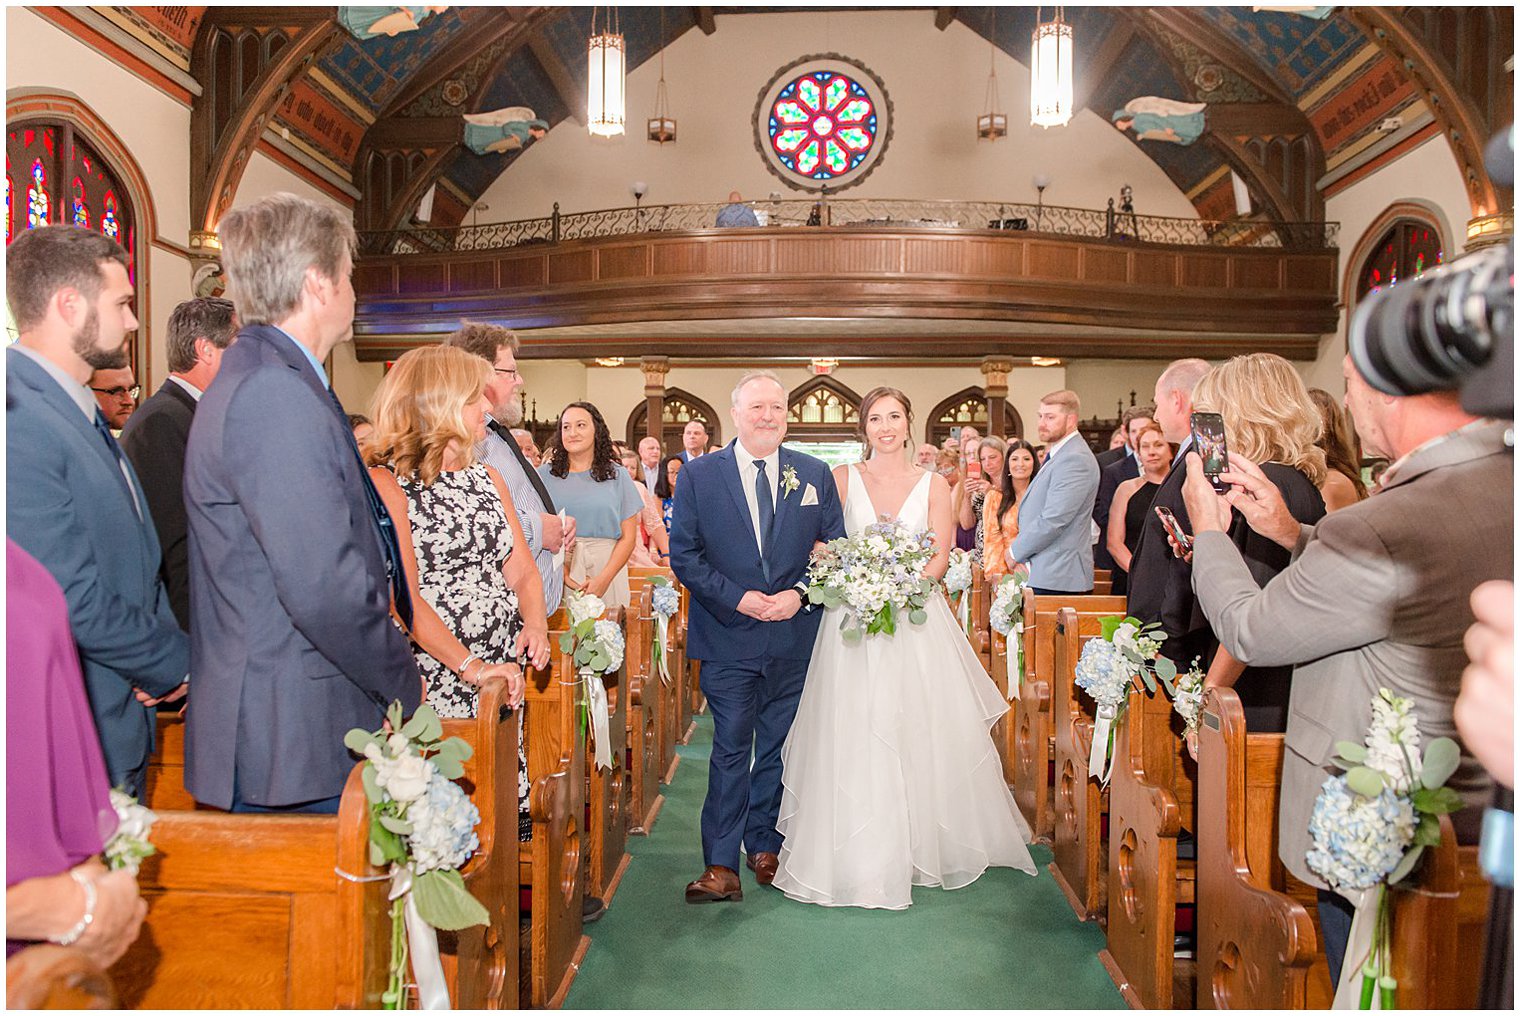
996,538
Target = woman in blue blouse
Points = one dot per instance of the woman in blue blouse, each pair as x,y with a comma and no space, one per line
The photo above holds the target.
582,473
665,486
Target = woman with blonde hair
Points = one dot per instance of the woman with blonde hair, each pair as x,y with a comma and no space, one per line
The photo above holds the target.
478,600
970,495
1343,484
1270,420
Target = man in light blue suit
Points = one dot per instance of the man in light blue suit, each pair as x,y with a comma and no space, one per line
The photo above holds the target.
73,501
746,520
1055,540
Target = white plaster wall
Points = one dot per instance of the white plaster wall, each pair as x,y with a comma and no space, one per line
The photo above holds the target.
264,176
937,82
155,130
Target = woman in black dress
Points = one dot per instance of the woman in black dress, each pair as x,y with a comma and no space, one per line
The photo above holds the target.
1132,499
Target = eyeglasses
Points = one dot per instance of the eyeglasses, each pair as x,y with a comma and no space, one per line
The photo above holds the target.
120,392
509,371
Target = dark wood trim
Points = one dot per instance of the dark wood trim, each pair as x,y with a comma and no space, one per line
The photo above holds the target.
571,92
705,20
413,132
943,16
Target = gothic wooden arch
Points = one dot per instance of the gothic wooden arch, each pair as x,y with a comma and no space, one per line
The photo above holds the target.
24,106
681,407
822,409
968,408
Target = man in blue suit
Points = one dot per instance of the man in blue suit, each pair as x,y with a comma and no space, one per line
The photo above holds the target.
746,520
1055,540
73,501
294,563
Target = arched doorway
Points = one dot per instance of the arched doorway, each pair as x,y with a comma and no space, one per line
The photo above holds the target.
681,407
968,408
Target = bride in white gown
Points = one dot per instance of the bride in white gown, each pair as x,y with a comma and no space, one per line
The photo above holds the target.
890,777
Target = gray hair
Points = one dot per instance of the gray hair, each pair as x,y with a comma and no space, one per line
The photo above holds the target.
205,317
754,375
268,246
1182,375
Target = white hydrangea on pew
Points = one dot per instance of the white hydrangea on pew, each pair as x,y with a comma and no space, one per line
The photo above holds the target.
958,585
597,645
1369,829
422,824
1006,615
666,602
1125,650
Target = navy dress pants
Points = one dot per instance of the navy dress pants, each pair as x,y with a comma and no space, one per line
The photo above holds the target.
753,703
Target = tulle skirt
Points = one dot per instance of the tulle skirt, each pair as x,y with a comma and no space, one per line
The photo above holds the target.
890,777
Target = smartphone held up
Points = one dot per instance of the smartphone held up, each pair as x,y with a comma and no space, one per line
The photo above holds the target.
1209,443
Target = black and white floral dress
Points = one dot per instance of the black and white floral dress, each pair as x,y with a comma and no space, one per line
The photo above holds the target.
462,538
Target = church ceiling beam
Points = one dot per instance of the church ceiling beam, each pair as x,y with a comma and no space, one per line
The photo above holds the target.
1120,34
1395,32
222,143
943,16
448,62
705,20
572,92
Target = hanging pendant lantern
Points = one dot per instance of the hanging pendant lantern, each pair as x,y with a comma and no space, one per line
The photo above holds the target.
605,111
662,126
993,123
1050,81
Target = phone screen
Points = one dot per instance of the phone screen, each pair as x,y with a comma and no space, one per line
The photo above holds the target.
974,468
1174,527
955,433
1208,442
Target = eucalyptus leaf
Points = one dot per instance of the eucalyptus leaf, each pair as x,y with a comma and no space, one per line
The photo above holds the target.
1406,865
372,791
357,740
1427,832
444,902
412,729
1365,781
1166,669
396,825
461,748
918,616
1149,681
376,855
450,767
1441,760
1351,751
566,642
432,726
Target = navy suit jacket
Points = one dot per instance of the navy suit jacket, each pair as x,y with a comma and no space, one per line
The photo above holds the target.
714,554
154,439
291,637
66,504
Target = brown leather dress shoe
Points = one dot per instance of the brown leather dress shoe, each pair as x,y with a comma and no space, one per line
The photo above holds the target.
716,885
764,866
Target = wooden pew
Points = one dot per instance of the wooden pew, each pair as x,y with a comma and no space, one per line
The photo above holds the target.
1150,803
669,729
1030,753
689,679
557,804
1103,582
251,910
607,790
646,698
981,619
1078,845
1258,938
56,977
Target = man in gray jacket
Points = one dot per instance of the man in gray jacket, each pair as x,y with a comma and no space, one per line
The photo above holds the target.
1376,597
1055,539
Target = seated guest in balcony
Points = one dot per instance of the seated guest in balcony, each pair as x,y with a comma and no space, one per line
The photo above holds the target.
586,480
57,797
294,563
665,486
1376,596
1000,511
694,441
736,213
1132,499
1343,475
156,436
988,459
651,548
1055,514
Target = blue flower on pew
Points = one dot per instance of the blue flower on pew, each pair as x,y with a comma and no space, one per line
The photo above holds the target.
666,600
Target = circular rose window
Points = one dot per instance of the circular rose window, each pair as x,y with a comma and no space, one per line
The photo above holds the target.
823,122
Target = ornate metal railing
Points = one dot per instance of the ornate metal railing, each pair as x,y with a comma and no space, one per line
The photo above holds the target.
1110,225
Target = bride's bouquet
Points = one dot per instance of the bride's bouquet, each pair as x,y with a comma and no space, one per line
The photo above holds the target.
875,576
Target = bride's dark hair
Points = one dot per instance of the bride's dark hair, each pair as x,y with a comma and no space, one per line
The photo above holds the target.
874,396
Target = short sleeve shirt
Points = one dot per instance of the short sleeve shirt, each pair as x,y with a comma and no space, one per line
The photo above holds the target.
598,508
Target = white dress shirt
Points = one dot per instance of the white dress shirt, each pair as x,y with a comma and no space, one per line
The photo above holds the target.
1050,452
194,392
747,473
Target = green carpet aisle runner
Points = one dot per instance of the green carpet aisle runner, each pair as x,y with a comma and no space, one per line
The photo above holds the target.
1007,941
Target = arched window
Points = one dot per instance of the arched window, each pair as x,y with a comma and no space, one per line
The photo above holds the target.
37,197
681,407
968,408
81,216
822,410
1405,251
54,152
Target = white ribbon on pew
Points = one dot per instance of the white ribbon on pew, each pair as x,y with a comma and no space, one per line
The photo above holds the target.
1099,754
662,643
964,609
596,704
422,945
1348,994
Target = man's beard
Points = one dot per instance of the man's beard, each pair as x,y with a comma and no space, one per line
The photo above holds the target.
510,415
98,359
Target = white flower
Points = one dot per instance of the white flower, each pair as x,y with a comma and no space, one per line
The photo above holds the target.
129,844
1357,841
1104,673
1124,638
1393,740
610,636
443,826
583,606
405,777
666,600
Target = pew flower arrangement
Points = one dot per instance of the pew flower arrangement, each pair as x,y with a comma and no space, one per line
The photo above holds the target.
876,576
597,646
1125,650
666,602
1371,825
1187,697
958,585
1006,615
422,824
129,844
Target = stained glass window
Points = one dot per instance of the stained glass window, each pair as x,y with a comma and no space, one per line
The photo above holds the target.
1404,252
93,198
37,197
81,215
108,224
822,125
7,202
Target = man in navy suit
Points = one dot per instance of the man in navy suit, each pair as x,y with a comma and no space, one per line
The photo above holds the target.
294,563
73,501
746,521
693,441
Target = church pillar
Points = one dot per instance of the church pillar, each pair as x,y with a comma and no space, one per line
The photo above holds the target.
995,384
655,369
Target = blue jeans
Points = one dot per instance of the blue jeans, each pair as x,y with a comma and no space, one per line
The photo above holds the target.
1335,915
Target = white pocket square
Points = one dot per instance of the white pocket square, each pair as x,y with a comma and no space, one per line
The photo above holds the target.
809,496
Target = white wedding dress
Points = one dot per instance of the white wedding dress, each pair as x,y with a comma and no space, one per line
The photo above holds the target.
890,777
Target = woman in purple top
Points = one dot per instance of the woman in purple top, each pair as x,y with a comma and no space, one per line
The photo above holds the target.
57,801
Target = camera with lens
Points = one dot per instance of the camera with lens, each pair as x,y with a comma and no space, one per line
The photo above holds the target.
1453,327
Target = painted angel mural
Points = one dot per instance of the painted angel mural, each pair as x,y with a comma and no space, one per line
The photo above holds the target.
1153,118
502,130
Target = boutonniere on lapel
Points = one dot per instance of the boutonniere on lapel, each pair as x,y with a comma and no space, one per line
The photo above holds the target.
789,481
